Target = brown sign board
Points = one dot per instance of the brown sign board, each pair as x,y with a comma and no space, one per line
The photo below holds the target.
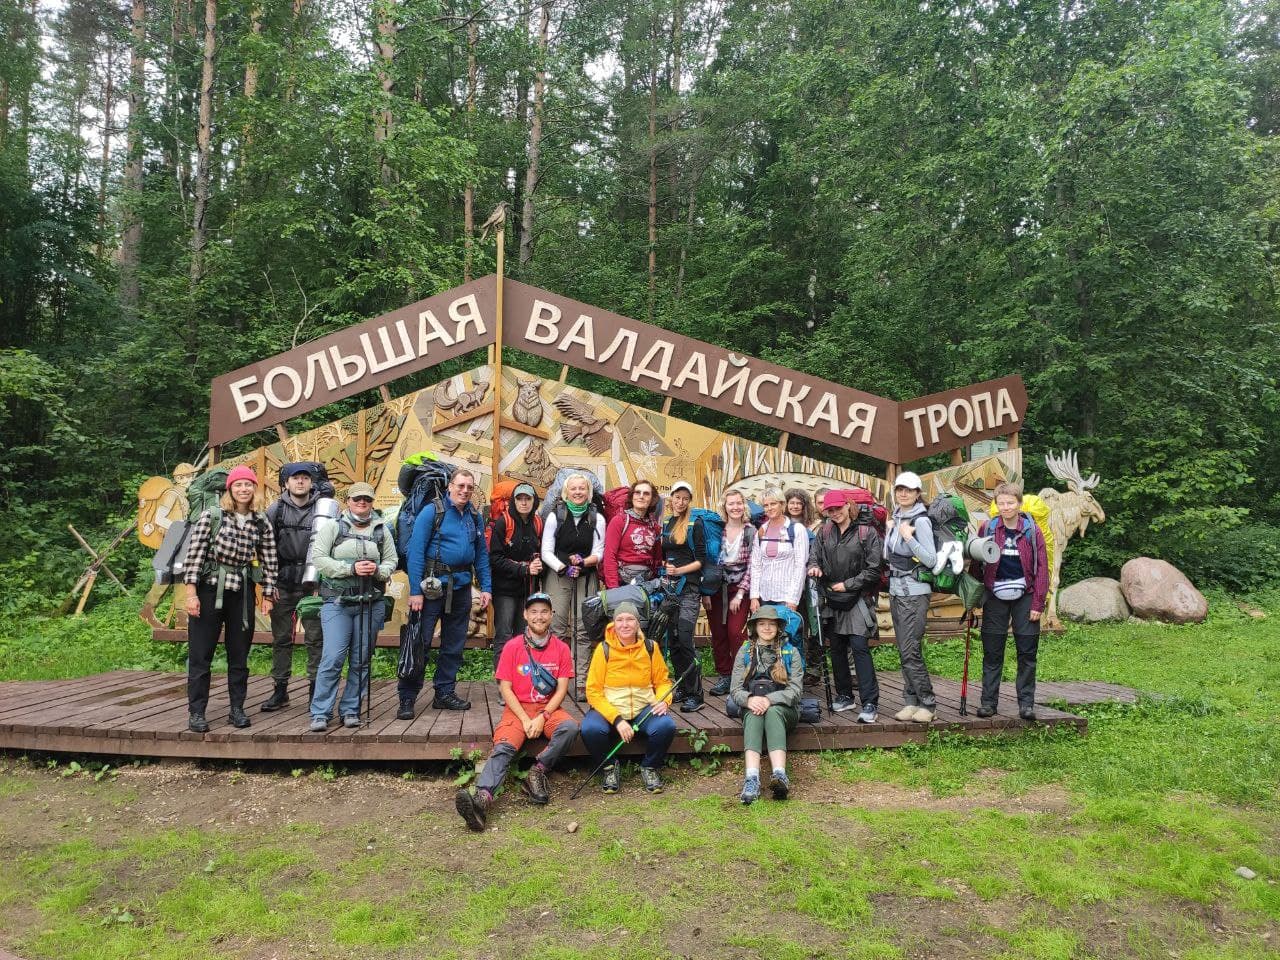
352,360
587,338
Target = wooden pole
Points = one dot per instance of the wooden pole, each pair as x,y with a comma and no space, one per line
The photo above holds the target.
501,226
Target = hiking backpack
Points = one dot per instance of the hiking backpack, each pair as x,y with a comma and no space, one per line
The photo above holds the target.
870,513
500,512
424,479
319,477
555,501
713,532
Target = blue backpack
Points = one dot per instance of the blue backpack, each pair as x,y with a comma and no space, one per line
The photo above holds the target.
713,530
423,481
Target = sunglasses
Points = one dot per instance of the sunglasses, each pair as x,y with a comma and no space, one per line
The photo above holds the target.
362,499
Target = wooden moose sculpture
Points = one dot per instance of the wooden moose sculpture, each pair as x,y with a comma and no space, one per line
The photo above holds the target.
1070,513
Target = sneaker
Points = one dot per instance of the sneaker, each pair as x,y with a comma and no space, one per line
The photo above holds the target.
612,778
779,785
1027,713
750,790
985,712
535,785
922,715
473,807
406,710
869,713
319,724
651,780
843,703
351,721
721,688
278,700
449,701
239,719
906,714
196,723
691,704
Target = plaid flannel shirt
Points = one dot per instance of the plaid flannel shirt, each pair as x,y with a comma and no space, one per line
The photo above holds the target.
235,548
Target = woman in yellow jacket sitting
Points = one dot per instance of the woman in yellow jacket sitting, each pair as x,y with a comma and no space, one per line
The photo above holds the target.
627,673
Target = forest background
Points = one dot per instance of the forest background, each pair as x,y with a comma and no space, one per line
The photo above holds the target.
902,196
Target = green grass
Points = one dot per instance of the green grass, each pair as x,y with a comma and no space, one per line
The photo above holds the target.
1120,843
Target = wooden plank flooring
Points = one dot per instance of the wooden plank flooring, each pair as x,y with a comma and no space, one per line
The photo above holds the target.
144,713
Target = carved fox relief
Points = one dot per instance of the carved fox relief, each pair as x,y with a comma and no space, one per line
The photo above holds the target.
527,408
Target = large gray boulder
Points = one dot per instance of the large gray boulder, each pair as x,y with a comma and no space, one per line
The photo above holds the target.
1093,601
1157,590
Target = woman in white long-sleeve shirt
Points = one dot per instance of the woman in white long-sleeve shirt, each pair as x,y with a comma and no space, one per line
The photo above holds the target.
572,545
779,557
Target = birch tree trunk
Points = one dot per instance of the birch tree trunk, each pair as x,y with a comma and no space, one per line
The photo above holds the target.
108,113
535,136
131,228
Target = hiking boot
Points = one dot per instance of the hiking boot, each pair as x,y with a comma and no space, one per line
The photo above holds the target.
750,789
843,703
319,724
239,719
691,704
196,723
869,713
406,710
535,784
779,785
1027,713
922,715
449,701
473,807
906,714
612,778
351,721
279,698
721,688
651,780
985,712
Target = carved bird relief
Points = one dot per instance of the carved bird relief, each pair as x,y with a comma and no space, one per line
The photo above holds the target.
595,432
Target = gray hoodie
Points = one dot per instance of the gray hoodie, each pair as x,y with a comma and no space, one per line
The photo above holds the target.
897,552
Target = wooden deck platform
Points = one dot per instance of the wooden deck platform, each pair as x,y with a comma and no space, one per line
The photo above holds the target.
144,713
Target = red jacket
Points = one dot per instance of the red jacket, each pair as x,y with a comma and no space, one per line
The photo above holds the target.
642,544
1034,568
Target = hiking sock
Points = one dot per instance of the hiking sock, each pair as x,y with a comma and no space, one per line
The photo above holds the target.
779,770
753,772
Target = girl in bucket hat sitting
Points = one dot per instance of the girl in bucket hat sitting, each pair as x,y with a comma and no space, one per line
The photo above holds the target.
768,677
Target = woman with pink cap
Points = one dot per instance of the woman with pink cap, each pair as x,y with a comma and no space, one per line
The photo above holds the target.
231,549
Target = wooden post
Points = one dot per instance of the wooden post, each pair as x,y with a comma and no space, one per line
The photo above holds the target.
666,407
384,393
215,454
891,472
1013,440
783,441
957,457
501,216
282,433
564,372
84,597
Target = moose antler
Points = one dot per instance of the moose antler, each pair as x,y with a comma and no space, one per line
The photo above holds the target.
1067,469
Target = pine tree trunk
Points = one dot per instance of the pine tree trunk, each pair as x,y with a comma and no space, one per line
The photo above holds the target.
386,43
468,195
131,228
204,139
108,108
251,77
653,175
535,137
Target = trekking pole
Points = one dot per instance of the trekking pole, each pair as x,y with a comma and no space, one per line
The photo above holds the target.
573,632
822,646
637,724
364,625
964,677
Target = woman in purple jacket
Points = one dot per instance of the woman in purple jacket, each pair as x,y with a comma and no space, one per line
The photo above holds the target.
1017,586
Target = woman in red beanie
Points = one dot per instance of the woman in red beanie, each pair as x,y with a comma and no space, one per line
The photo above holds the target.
232,548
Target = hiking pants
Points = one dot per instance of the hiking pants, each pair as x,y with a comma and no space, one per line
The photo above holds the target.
345,642
567,597
768,733
508,620
600,737
202,642
996,617
728,631
559,731
844,646
908,630
680,642
453,641
282,636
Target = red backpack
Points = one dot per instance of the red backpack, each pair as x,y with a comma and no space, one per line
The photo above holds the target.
877,515
500,510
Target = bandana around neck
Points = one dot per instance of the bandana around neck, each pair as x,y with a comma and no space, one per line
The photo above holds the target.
537,641
577,509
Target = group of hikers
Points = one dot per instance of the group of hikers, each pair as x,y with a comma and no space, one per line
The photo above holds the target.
752,575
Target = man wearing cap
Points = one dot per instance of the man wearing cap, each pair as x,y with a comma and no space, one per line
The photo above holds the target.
533,674
515,556
292,518
846,561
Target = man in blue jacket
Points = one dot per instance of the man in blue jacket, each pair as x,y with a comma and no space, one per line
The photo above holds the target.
450,552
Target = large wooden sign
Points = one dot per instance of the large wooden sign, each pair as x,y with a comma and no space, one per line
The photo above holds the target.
585,337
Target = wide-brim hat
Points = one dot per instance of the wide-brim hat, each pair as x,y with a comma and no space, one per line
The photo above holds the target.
766,612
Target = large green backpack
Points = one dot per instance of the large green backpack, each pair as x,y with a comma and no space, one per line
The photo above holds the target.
949,518
204,494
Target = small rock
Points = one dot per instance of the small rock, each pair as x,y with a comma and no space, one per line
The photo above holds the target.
572,827
1245,872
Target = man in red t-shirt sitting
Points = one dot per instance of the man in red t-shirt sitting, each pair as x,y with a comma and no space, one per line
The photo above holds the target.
533,674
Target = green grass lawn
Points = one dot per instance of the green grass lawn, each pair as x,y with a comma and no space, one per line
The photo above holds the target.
1122,843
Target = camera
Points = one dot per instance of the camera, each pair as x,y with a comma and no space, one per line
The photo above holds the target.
432,588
